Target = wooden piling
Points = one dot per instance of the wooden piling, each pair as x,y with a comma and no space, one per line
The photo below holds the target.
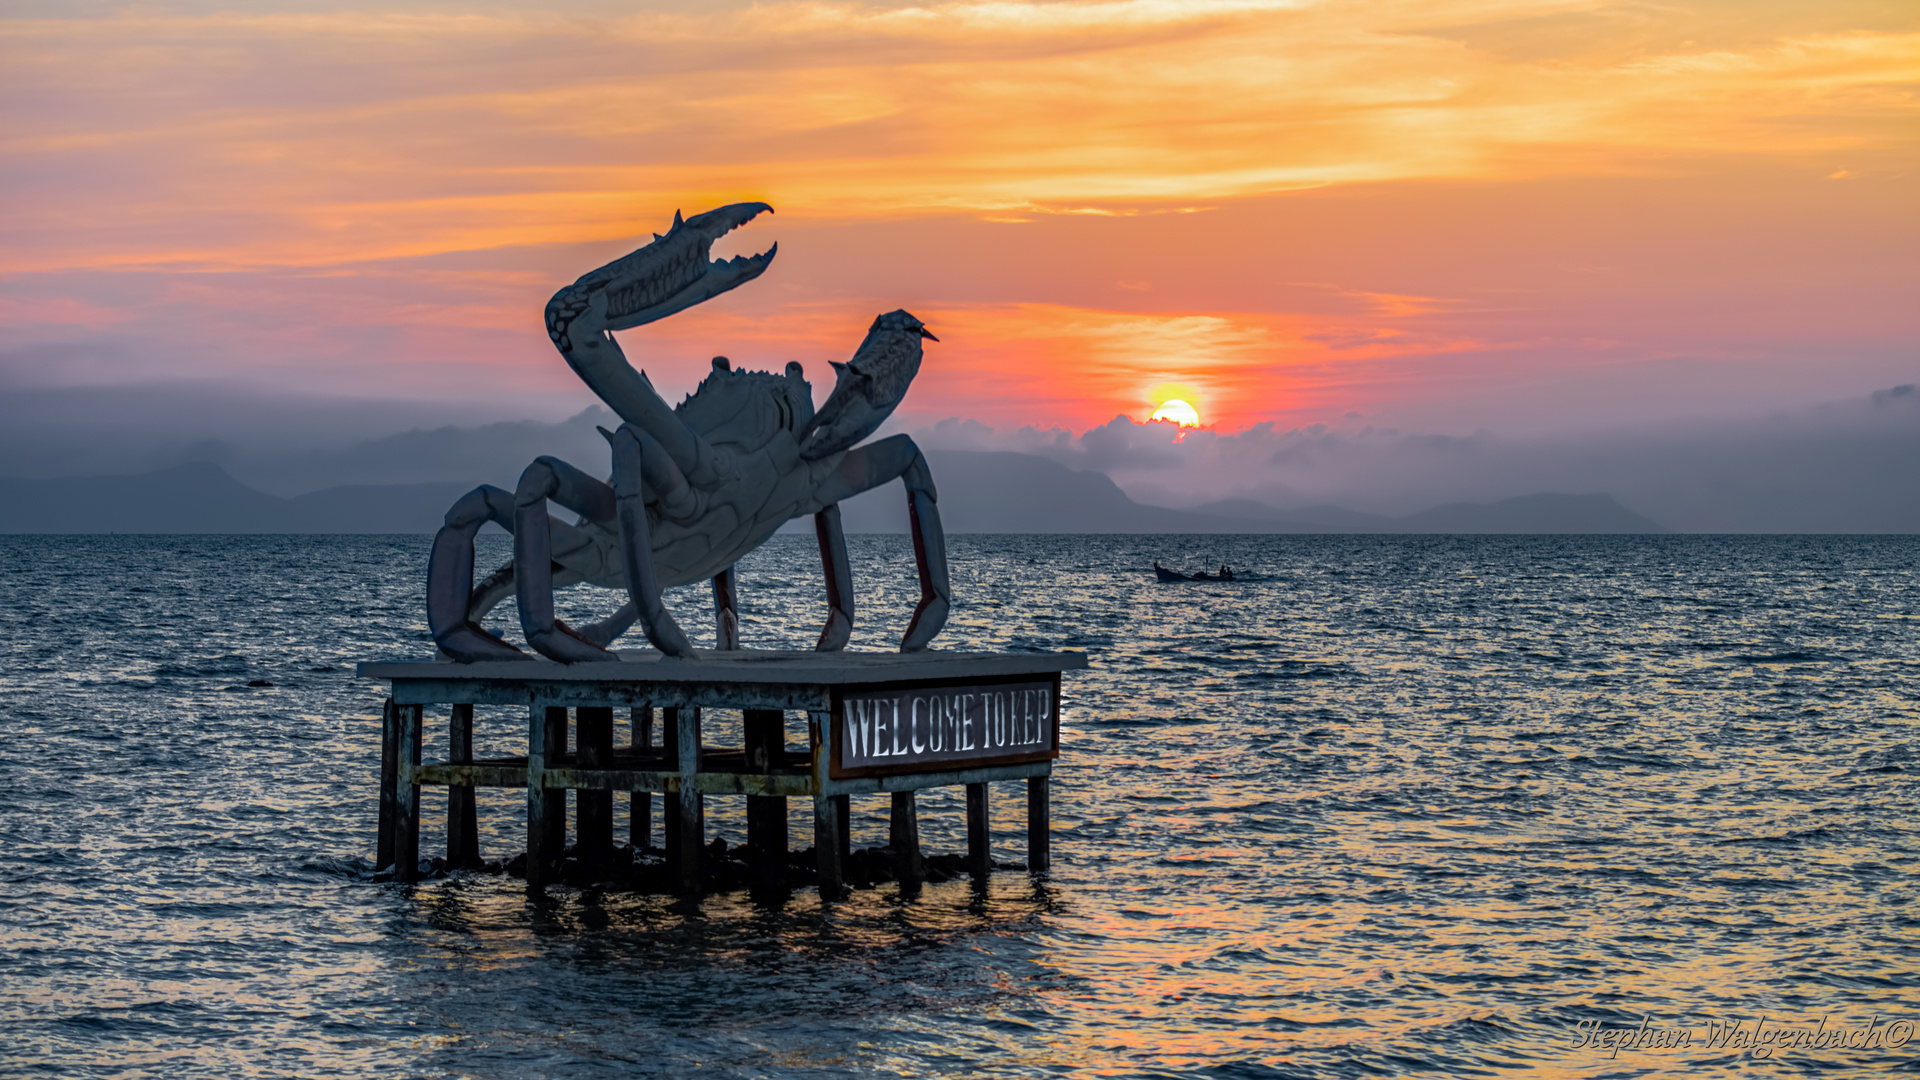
463,823
546,807
686,833
903,836
1039,842
593,810
726,612
389,781
843,815
979,839
640,820
765,736
406,816
829,840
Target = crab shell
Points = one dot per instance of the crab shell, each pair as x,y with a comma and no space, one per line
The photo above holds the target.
756,481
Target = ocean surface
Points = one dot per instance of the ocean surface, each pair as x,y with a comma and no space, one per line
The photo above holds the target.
1387,806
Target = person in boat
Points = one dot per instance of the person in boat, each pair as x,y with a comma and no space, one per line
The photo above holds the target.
1226,572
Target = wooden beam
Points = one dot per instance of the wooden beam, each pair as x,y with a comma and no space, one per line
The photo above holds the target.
686,833
903,836
389,785
463,821
979,838
546,807
1039,842
843,814
593,810
828,841
406,816
765,736
640,820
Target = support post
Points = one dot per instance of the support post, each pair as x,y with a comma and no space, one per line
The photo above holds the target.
640,820
979,839
726,612
463,823
843,813
389,779
829,812
903,836
406,817
828,839
546,809
766,814
593,810
1039,844
680,726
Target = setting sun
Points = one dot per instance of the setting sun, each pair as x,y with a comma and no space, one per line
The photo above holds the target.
1177,411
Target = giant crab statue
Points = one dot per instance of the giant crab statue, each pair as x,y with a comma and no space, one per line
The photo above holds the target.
694,487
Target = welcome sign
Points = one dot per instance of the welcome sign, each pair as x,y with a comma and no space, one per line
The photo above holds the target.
933,728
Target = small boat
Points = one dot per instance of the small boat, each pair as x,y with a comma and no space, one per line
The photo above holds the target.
1164,574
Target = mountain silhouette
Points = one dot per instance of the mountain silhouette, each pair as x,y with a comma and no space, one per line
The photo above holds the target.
980,492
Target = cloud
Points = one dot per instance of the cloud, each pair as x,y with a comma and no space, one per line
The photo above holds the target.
1841,467
229,140
1444,215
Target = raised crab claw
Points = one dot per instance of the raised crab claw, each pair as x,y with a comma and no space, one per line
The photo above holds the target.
695,487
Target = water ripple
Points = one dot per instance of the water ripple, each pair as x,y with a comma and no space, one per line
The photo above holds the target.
1407,806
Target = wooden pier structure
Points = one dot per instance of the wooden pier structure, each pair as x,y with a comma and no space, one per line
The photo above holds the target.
873,722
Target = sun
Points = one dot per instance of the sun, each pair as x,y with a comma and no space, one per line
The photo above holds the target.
1177,411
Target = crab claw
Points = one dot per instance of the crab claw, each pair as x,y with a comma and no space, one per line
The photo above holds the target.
676,271
868,387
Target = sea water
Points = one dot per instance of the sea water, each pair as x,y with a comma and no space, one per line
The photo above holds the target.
1383,806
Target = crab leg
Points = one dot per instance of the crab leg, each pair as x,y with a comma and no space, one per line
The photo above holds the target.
636,543
450,578
839,575
551,478
929,556
604,631
726,612
868,467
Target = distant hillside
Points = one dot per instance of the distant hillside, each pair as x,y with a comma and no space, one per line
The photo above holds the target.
993,492
1020,493
1527,514
202,498
979,493
1531,514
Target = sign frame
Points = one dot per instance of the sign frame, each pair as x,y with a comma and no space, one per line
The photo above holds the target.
837,721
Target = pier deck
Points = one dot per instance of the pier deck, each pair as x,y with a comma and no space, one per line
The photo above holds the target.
874,722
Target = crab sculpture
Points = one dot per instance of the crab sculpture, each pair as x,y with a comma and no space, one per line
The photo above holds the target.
694,487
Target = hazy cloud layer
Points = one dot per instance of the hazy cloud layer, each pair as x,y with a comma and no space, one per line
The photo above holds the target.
1842,467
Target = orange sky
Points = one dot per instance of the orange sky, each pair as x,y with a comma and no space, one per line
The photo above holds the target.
1432,214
